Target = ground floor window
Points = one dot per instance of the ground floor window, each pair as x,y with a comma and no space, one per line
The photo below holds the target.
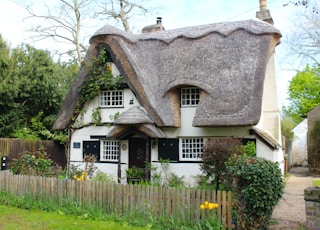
110,150
191,149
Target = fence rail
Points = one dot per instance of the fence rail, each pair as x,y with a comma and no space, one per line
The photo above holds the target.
119,198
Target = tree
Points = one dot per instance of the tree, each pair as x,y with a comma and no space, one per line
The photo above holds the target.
303,43
120,10
9,110
32,89
215,153
64,21
304,93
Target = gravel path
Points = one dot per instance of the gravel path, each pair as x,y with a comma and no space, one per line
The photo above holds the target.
290,212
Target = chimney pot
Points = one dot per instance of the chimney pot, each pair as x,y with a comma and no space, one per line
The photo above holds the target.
153,28
159,20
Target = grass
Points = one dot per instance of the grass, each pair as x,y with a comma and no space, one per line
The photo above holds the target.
316,182
27,212
15,218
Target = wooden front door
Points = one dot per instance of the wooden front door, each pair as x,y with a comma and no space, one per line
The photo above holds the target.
139,153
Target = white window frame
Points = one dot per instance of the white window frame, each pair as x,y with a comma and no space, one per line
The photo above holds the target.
191,148
110,150
189,96
111,98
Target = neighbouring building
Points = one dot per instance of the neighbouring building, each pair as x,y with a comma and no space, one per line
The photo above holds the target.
299,153
180,88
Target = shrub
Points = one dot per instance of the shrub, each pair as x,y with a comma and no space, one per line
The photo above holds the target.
258,186
215,153
103,177
77,173
36,163
249,149
175,181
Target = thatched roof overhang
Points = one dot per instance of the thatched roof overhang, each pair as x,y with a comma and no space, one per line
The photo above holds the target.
146,130
265,137
226,60
134,115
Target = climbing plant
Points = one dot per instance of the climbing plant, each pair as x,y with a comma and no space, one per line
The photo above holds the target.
100,77
314,148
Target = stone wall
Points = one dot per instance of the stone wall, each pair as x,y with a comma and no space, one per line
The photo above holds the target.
312,199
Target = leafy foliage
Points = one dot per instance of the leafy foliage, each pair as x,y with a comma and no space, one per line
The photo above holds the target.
249,149
103,177
287,124
304,93
258,186
314,148
86,172
35,163
100,77
32,88
215,153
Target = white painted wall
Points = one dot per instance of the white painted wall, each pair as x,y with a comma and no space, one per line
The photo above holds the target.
189,170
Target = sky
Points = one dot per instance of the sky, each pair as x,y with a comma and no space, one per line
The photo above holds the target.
175,14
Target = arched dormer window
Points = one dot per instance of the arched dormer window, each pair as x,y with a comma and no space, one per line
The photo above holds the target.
189,96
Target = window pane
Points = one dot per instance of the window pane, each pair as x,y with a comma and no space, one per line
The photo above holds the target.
110,150
111,98
191,148
190,96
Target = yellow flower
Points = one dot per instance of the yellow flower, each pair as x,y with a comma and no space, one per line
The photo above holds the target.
208,205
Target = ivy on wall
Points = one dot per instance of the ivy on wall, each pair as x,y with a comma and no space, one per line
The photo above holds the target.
314,148
100,77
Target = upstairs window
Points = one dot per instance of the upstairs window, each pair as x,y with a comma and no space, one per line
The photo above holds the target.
190,96
111,98
110,150
191,149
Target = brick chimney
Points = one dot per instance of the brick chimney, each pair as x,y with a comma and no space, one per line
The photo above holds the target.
153,28
264,13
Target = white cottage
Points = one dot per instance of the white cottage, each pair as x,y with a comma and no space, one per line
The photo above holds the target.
180,88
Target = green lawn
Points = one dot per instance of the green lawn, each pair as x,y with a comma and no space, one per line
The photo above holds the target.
12,218
316,182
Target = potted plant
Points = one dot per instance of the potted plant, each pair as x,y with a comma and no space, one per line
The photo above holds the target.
134,175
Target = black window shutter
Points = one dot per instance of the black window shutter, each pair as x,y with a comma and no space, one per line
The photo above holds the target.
169,149
92,148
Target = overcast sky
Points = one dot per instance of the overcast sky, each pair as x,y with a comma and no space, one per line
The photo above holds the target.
175,14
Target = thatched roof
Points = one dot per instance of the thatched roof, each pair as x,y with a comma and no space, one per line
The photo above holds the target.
124,131
266,137
134,115
226,60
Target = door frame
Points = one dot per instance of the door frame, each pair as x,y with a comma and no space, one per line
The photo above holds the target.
135,143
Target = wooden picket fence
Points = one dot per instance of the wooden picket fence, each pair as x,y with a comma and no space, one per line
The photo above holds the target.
119,198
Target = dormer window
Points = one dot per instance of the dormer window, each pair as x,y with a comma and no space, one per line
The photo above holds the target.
190,96
111,98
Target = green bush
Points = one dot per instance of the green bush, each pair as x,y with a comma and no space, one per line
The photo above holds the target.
103,177
258,186
36,163
249,149
216,152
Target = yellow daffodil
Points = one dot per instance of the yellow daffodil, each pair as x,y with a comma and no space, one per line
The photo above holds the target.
208,205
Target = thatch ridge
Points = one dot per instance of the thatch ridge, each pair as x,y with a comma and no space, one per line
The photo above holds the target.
225,29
